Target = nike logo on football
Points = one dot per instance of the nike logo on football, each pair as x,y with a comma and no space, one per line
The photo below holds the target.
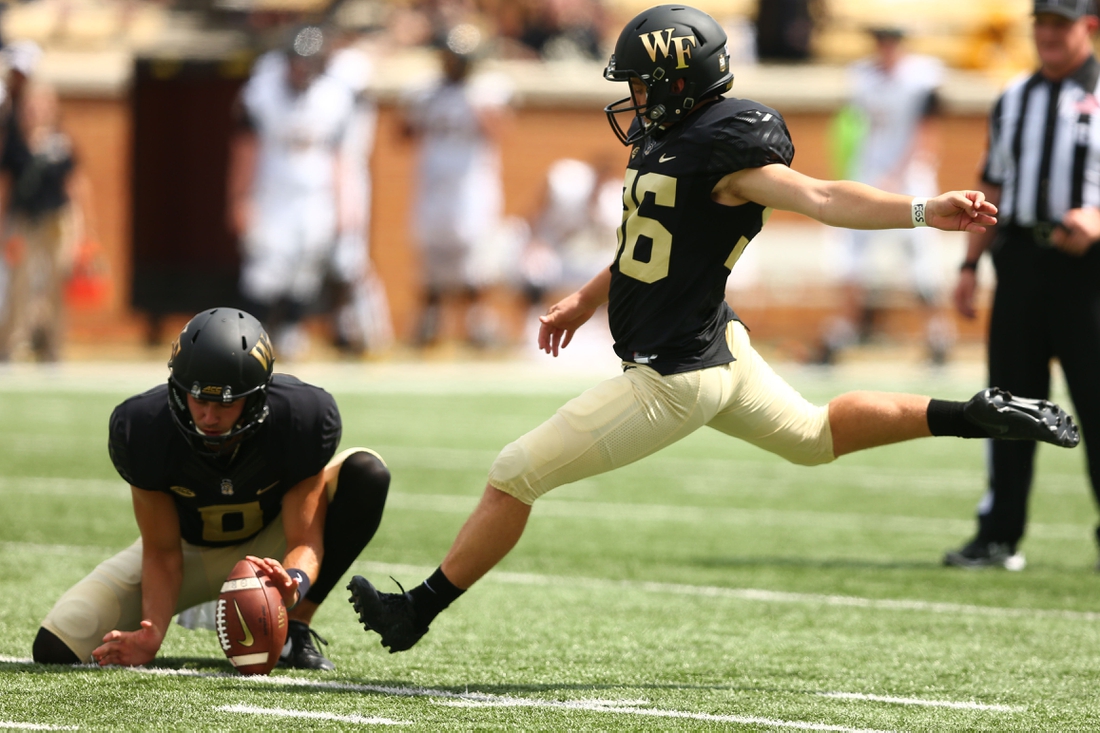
267,488
247,640
665,158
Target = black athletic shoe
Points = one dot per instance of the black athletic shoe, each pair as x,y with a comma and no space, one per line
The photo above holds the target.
390,614
299,651
981,554
1017,418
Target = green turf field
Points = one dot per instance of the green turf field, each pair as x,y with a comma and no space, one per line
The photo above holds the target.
709,587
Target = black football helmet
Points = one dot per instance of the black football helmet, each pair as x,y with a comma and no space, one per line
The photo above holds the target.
680,54
222,355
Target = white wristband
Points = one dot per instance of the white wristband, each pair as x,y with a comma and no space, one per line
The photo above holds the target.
919,210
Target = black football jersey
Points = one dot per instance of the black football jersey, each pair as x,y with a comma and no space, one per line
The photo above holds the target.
677,245
225,500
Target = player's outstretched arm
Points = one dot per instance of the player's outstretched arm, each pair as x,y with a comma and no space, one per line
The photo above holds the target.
161,578
562,320
849,204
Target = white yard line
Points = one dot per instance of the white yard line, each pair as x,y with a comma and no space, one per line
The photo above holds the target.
679,589
553,506
743,594
283,713
634,706
601,707
925,703
13,725
479,700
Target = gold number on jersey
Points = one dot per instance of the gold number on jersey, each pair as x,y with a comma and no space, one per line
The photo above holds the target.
635,226
249,519
744,242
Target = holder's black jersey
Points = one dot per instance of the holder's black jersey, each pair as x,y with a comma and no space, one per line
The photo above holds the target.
677,245
226,500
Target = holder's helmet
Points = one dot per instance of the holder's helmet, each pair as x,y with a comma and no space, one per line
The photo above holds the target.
222,355
679,54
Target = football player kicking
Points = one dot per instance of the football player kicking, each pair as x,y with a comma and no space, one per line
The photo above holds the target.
224,461
704,172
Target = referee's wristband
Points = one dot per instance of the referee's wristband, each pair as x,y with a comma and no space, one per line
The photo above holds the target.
919,210
303,583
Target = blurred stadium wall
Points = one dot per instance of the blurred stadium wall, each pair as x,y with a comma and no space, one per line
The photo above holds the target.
147,104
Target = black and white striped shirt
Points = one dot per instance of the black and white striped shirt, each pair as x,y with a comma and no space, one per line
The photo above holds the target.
1044,147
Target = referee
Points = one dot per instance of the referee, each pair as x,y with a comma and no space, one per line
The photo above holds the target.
1042,169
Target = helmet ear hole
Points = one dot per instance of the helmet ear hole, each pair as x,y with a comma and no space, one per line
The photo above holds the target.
678,86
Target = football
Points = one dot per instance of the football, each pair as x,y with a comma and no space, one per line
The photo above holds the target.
251,620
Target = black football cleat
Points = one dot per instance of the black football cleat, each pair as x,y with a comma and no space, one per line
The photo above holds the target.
1018,418
981,554
390,614
299,651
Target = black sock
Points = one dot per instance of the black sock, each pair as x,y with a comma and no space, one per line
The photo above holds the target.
433,595
947,418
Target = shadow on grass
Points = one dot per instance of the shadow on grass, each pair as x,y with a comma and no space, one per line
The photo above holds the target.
209,665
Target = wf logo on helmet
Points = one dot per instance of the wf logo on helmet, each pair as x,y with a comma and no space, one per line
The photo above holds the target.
263,351
663,42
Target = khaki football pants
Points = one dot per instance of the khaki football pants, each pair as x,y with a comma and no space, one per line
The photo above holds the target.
628,417
109,597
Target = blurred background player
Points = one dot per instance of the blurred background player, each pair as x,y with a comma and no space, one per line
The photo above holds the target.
459,195
362,317
572,231
894,95
225,460
46,204
285,183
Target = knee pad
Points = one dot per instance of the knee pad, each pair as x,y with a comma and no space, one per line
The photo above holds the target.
365,474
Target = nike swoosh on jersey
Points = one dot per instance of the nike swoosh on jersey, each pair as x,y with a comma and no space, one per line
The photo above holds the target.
247,640
665,158
267,488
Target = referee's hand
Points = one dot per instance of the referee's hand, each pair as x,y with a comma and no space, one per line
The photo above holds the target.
964,294
1079,231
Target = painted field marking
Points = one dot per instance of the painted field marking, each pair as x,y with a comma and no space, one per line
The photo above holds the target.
926,703
749,594
590,511
12,725
475,699
596,706
679,589
283,713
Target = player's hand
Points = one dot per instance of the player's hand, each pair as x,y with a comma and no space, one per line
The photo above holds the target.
960,211
557,327
272,568
1079,231
129,648
964,293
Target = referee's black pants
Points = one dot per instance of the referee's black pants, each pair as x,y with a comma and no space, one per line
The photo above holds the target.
1046,305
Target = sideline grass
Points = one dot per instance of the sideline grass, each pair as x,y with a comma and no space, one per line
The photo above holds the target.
708,587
